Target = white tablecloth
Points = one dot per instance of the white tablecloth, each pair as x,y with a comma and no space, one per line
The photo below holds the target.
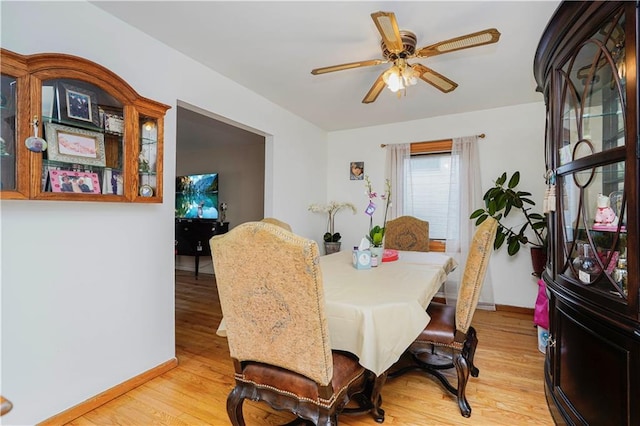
377,313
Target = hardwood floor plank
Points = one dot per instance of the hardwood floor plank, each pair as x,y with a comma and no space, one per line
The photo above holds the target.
509,390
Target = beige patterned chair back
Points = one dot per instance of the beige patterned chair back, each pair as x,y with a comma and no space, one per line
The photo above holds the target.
270,286
277,222
407,233
474,272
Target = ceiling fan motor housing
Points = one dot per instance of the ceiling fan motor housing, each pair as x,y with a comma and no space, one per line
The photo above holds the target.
409,41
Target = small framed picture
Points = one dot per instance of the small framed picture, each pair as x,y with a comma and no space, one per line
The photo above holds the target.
112,182
78,104
356,170
72,145
70,181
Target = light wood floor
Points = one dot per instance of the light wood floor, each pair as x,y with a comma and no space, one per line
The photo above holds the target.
509,390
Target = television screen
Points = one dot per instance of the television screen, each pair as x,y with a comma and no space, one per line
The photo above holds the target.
197,196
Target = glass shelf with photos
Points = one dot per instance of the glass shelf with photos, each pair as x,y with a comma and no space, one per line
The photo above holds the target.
84,129
8,166
593,218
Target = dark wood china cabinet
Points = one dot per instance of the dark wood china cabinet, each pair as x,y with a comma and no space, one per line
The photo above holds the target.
586,67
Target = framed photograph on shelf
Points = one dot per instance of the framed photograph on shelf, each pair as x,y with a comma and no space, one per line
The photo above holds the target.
78,104
113,120
112,182
70,181
73,145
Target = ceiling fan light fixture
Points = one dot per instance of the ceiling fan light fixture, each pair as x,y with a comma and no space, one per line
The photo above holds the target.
410,76
393,79
399,46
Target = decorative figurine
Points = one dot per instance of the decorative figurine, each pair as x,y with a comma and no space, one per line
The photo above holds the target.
605,216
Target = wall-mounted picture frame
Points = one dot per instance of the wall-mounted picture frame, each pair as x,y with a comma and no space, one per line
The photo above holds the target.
356,170
73,145
78,104
77,182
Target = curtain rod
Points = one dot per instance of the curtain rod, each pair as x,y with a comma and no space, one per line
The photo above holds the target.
481,136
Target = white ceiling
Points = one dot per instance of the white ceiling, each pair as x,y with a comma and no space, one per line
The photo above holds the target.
271,47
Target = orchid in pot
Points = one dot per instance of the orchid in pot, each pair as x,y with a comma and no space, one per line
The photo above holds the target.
331,209
376,233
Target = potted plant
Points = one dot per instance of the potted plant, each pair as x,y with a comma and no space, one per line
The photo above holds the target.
376,233
331,238
504,199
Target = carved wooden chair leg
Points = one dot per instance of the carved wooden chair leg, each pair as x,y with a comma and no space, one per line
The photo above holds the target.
326,420
370,400
234,408
462,367
469,350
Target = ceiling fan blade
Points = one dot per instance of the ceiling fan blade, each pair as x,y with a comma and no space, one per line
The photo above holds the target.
388,28
348,66
435,79
463,42
375,90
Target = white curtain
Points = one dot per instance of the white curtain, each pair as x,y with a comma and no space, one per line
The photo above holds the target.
398,171
465,196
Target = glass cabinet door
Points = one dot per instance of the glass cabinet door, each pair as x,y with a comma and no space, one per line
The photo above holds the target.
148,157
8,133
84,129
594,95
591,166
593,224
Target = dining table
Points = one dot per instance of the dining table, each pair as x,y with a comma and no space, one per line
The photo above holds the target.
376,313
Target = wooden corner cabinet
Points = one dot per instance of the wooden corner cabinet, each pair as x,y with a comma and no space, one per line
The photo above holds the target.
74,131
586,66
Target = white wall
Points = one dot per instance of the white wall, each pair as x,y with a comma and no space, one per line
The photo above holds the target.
514,141
70,329
74,328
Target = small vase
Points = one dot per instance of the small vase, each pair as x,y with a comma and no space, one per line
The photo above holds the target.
377,251
331,247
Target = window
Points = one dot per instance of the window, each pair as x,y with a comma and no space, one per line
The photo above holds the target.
429,182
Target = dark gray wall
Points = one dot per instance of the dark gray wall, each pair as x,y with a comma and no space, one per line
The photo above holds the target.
208,145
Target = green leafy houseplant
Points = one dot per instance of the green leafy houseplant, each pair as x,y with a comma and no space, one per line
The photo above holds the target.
501,200
376,236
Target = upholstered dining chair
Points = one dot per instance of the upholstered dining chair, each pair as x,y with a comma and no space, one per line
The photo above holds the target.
449,340
407,233
277,222
271,292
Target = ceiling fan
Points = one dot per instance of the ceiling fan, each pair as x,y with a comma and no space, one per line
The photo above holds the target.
398,46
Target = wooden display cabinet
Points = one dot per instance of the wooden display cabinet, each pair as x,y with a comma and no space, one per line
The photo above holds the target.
104,141
586,66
